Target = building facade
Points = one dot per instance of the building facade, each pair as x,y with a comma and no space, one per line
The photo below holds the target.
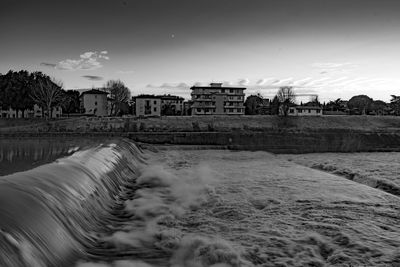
36,112
171,105
305,111
94,102
217,100
147,105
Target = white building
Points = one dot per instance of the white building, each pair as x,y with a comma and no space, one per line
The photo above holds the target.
148,105
94,102
36,112
217,100
305,111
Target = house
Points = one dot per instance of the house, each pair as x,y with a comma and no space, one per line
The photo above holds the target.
217,100
171,105
94,102
147,105
305,111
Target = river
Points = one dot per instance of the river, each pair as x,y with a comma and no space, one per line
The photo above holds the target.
113,203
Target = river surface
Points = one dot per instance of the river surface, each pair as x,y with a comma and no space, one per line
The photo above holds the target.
112,203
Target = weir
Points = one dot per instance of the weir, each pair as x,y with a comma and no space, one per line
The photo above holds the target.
47,214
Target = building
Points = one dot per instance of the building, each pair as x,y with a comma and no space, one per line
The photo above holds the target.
94,102
217,100
36,112
171,105
147,105
305,111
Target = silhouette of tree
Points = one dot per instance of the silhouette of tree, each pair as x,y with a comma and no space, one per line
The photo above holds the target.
395,105
286,97
379,107
70,102
46,92
252,104
119,95
15,88
360,102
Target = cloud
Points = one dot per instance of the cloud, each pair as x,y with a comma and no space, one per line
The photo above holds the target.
93,77
46,64
334,67
87,61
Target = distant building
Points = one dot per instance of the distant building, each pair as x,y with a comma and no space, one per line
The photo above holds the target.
305,111
187,108
36,112
147,105
94,102
171,105
217,100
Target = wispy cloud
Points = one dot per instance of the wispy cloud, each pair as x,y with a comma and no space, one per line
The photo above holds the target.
93,77
334,67
326,87
87,61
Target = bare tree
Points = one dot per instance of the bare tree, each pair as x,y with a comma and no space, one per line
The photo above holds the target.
47,92
286,97
119,95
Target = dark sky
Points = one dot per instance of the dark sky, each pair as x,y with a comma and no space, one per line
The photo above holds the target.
336,47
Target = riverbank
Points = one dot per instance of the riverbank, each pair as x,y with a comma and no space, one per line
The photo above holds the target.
267,133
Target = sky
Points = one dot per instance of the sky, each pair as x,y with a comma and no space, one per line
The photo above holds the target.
332,48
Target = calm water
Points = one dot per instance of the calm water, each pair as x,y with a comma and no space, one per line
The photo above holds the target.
112,204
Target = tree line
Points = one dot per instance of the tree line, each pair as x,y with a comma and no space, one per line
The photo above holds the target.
286,97
21,90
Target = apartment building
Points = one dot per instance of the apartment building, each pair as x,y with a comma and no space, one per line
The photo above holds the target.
147,105
217,100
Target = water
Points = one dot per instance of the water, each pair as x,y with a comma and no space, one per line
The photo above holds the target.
113,204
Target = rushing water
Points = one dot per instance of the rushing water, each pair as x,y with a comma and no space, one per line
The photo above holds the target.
112,204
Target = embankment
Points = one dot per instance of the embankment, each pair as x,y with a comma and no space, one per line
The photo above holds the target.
269,133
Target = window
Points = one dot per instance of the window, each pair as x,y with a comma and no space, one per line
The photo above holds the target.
318,111
230,90
222,90
199,110
300,111
155,102
155,109
206,110
239,110
95,103
291,110
309,111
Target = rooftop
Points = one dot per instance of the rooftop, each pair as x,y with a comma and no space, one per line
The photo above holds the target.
94,92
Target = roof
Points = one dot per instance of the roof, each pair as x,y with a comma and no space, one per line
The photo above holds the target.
94,92
147,96
216,87
307,107
170,97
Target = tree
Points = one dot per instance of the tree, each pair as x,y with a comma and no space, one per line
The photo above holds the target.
252,104
336,105
395,105
379,107
119,95
286,98
15,88
362,103
275,106
47,92
70,102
